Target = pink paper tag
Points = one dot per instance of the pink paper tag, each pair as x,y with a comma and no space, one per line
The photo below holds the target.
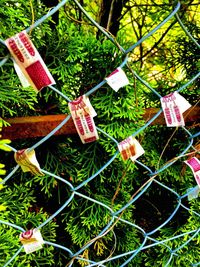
29,61
194,164
173,106
82,114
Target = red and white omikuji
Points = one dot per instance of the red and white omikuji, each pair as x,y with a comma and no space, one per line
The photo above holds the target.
194,165
32,240
117,79
29,61
27,161
130,148
82,114
174,105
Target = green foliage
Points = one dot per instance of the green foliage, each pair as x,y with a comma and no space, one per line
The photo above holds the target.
79,61
16,16
3,143
185,256
19,202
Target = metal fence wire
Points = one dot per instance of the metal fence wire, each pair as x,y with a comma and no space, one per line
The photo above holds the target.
149,241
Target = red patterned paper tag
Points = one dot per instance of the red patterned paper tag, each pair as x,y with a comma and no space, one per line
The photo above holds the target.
130,148
194,165
28,162
173,106
29,61
117,79
82,114
32,240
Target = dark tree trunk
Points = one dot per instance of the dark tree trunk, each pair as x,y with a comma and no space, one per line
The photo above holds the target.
115,16
55,18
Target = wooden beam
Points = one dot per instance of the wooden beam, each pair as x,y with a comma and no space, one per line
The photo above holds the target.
190,115
38,126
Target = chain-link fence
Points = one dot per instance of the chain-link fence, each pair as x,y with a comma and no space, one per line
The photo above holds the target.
149,241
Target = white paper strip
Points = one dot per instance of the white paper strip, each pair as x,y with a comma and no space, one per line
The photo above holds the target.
29,61
82,114
28,162
117,79
32,240
174,105
130,148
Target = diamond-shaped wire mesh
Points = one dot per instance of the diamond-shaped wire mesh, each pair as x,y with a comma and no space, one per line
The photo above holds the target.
148,241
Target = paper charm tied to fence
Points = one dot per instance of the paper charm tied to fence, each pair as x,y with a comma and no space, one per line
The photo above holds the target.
174,105
194,165
117,79
28,162
130,148
28,63
82,114
32,240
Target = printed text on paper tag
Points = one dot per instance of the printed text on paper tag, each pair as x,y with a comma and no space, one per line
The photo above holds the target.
117,79
174,105
28,162
32,240
194,165
33,70
130,148
82,114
